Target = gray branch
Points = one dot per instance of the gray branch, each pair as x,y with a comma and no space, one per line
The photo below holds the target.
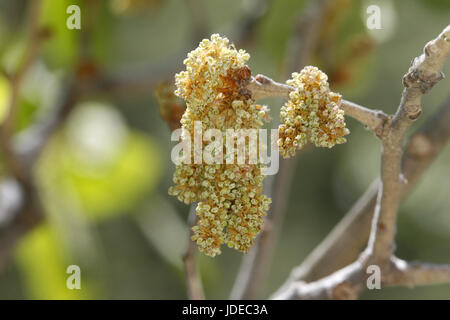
349,281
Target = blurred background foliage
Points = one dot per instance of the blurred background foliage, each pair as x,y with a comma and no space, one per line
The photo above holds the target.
103,177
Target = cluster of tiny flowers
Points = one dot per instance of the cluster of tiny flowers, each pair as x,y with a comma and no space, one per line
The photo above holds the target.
231,205
206,72
312,113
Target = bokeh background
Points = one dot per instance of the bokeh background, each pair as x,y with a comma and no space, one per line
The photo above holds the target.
104,175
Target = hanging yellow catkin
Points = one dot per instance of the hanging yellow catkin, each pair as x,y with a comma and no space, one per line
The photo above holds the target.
231,205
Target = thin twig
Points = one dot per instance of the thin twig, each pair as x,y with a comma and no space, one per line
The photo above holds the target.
342,245
193,282
374,120
29,216
417,273
347,282
263,87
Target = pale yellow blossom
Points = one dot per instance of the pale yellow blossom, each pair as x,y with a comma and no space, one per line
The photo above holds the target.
312,113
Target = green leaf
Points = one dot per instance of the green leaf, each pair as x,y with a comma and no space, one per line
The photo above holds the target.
118,186
107,168
43,263
27,111
5,96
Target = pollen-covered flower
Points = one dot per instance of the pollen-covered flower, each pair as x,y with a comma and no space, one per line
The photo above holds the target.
312,113
208,71
230,200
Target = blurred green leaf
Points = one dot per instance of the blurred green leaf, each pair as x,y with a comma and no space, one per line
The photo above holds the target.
43,262
5,93
108,167
12,54
61,49
27,111
117,187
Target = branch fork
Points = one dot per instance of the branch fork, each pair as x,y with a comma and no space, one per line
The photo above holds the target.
423,74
